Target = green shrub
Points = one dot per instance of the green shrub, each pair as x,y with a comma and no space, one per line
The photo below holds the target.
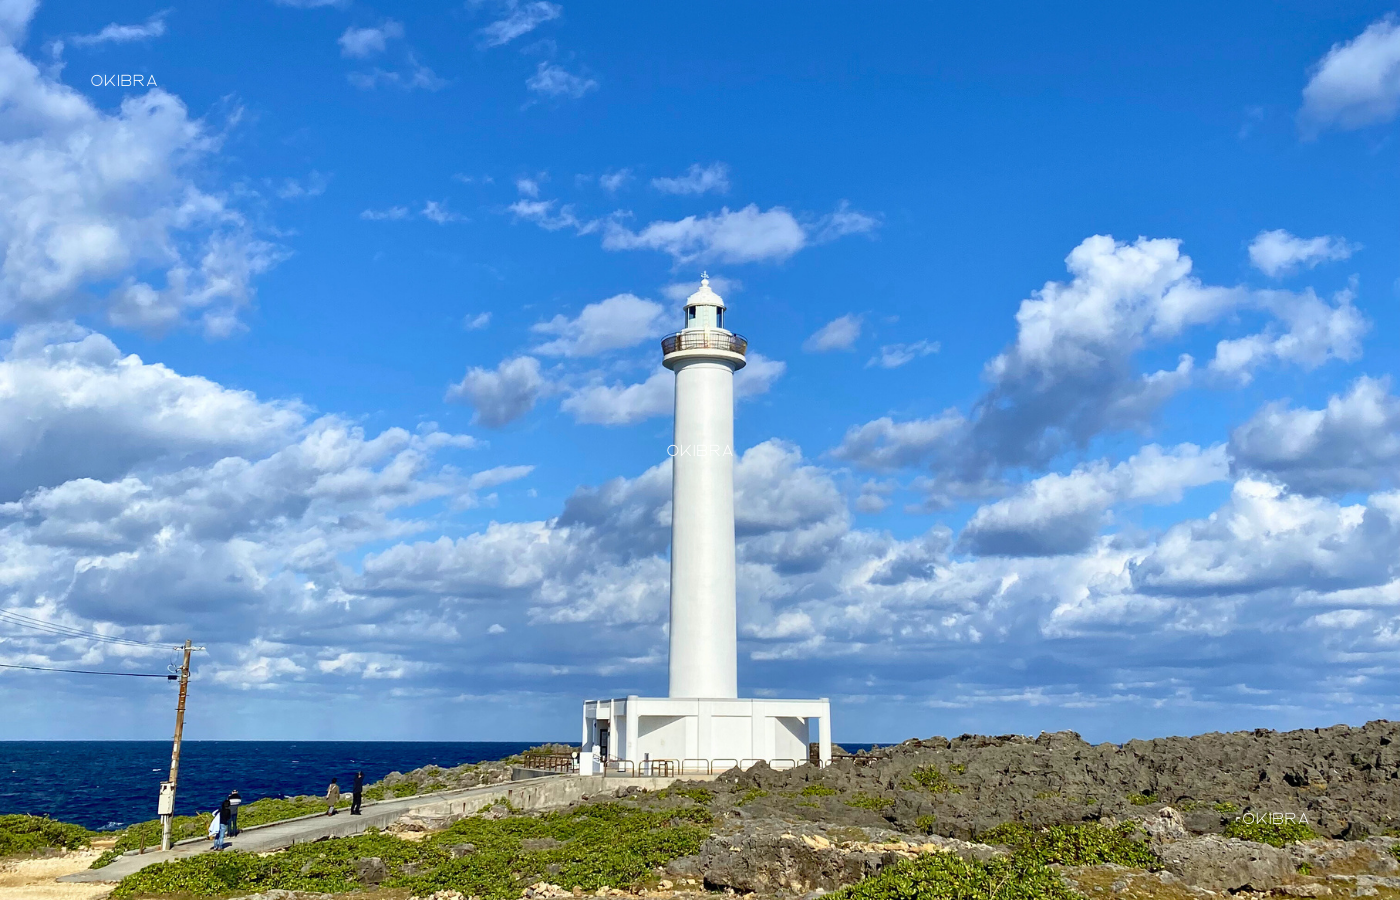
1143,799
1269,833
870,801
26,834
818,790
603,845
1304,869
1226,808
698,794
1089,844
751,795
930,779
946,876
925,824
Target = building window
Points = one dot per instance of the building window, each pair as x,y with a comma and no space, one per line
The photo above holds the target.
719,318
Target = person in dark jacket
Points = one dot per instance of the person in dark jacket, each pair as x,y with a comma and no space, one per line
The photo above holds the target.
234,801
225,816
356,791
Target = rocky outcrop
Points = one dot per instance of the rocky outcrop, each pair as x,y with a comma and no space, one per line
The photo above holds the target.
1221,864
1345,780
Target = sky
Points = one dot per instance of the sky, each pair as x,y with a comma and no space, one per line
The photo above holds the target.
329,339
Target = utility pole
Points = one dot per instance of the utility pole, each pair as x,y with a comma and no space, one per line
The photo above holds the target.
167,789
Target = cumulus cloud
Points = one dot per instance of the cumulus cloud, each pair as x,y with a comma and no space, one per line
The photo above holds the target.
892,356
625,320
362,43
840,333
622,404
1057,514
697,179
1353,444
757,376
502,395
416,77
613,181
1069,374
680,291
1278,253
551,80
740,236
124,34
1306,331
173,250
543,214
841,222
520,20
1358,82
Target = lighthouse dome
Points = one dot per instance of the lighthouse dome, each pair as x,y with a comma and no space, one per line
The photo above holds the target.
705,296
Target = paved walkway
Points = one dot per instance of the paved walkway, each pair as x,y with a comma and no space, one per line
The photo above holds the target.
534,793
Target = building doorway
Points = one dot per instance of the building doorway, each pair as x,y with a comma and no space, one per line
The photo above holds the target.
603,742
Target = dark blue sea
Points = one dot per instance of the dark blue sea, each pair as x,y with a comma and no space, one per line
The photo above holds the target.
110,784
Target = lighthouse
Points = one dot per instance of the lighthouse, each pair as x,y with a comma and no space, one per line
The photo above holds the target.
703,725
704,356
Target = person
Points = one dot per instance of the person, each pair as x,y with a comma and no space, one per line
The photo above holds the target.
357,790
225,816
332,797
234,801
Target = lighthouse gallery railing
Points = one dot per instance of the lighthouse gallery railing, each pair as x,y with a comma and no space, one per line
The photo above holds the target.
704,339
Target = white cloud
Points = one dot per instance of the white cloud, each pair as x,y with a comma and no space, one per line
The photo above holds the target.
1278,253
551,80
696,180
392,214
619,404
744,235
521,19
892,356
624,320
361,43
314,185
475,322
1057,514
90,198
417,76
613,181
1356,83
843,221
840,333
124,34
1351,445
502,395
757,376
437,212
886,445
1307,332
528,187
542,213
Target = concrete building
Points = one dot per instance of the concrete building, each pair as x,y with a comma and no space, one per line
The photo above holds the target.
704,719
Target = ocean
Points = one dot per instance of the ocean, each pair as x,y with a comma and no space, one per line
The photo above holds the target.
110,784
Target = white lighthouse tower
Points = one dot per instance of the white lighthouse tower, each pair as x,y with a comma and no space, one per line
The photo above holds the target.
703,725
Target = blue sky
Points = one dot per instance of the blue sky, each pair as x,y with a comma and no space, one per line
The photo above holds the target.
1073,401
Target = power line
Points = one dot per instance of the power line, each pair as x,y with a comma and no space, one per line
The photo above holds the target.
71,631
87,672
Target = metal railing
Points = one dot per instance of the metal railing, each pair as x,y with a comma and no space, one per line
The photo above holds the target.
549,762
705,339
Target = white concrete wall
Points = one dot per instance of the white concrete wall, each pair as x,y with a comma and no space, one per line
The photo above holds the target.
704,641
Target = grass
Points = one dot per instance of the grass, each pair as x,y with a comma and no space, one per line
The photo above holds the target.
931,779
603,845
751,795
818,790
925,824
1089,844
945,876
1143,799
1270,833
698,794
20,834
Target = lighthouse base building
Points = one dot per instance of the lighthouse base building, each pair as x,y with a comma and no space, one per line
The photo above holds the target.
703,725
706,735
